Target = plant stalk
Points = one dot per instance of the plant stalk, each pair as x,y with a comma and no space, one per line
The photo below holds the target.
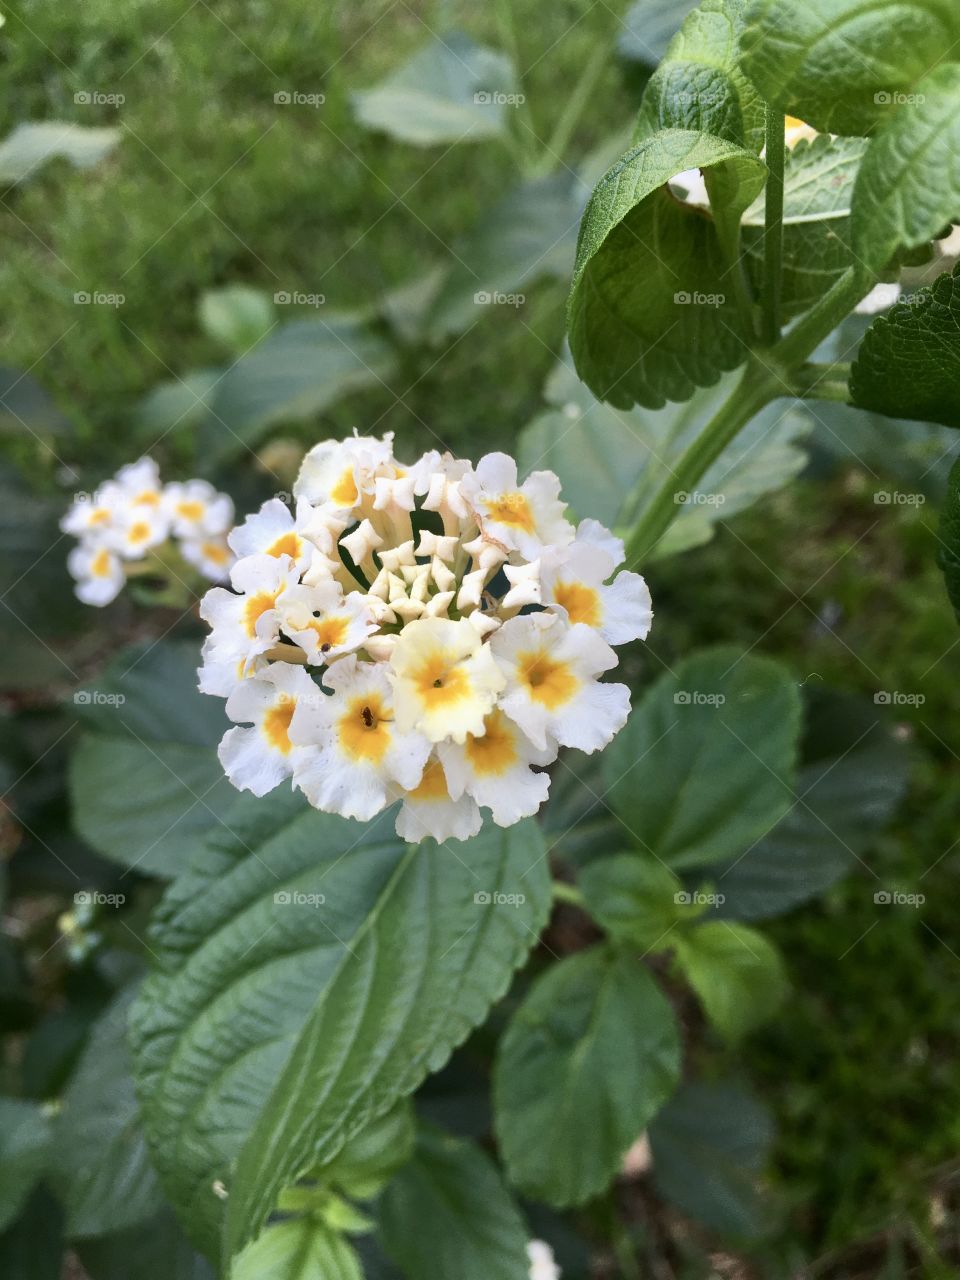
773,226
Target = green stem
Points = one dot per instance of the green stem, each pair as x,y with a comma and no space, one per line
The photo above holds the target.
563,892
823,382
825,390
773,226
811,329
729,238
556,145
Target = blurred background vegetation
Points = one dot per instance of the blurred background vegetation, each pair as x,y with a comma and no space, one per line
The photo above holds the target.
212,183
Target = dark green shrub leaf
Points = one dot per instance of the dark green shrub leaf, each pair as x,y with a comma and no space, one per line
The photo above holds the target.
845,65
160,1248
737,974
949,553
25,1151
475,1229
587,1061
634,898
908,364
706,762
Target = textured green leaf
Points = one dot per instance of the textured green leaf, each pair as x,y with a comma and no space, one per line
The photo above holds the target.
25,1151
475,1229
651,313
612,462
298,1249
237,316
843,65
736,972
370,1159
159,745
103,1173
296,372
710,1143
854,775
634,898
531,232
699,84
706,762
586,1062
908,187
949,553
315,1016
30,146
649,26
908,364
449,91
818,189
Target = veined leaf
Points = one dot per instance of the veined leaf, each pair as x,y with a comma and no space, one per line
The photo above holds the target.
301,1248
587,1061
651,313
818,190
634,897
736,972
706,762
451,90
908,364
844,65
311,977
699,84
908,187
475,1232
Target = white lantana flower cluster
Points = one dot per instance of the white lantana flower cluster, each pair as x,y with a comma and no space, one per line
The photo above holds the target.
543,1266
132,515
430,633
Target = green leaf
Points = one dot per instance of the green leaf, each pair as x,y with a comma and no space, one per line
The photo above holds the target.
586,1062
908,365
32,1249
160,1248
296,372
818,188
237,316
847,790
706,762
103,1173
150,734
908,187
475,1229
531,232
648,27
451,90
30,146
636,899
611,463
737,974
844,65
371,1158
949,552
298,1249
651,314
27,408
25,1151
315,1016
699,85
180,402
710,1143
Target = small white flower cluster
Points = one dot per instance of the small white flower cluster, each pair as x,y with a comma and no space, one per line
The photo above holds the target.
456,623
133,514
542,1263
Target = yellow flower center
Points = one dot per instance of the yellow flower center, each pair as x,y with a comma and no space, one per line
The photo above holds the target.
345,493
215,553
256,607
139,532
548,681
496,751
330,631
288,544
363,731
100,564
191,509
511,509
148,498
581,602
100,516
439,681
433,784
276,724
